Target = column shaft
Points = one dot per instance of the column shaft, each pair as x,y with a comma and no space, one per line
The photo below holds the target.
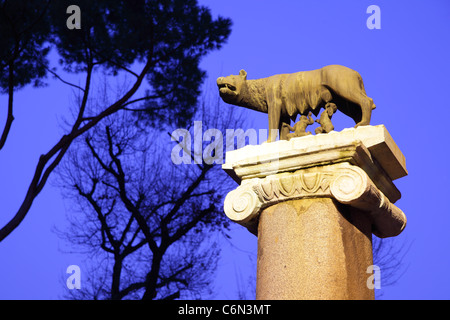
313,249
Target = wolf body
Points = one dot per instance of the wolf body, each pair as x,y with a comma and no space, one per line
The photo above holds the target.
284,96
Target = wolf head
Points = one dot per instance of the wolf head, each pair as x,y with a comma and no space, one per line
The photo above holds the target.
230,87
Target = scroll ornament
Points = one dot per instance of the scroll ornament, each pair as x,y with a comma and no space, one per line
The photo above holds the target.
348,184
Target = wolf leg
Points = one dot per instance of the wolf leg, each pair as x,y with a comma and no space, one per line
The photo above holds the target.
284,130
366,107
274,121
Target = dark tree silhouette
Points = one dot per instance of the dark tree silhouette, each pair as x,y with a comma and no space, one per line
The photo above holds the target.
388,255
24,30
158,43
149,226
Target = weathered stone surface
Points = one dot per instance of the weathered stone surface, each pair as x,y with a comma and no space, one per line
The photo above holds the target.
314,202
308,166
261,160
313,249
346,183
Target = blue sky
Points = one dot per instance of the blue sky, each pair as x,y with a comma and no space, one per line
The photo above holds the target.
405,69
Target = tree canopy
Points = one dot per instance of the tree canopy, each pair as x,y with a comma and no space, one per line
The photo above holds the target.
156,42
115,34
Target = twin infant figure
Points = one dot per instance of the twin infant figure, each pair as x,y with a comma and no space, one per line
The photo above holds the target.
326,126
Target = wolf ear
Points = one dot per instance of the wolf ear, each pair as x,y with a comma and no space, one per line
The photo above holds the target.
243,74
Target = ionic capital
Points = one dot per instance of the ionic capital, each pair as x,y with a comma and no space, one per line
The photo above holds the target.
346,183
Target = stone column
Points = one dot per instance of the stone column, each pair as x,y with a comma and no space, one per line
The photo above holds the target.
314,203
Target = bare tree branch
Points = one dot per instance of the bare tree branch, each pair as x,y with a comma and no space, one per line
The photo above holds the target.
40,178
64,81
162,216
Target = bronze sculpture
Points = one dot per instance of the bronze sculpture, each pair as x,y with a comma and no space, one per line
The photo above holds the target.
284,96
299,128
325,119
